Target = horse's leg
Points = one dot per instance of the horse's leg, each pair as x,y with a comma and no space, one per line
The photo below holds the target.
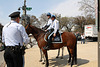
31,42
75,53
72,60
58,53
69,56
72,55
41,56
46,56
62,52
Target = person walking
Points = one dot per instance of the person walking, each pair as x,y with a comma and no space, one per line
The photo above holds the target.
82,39
14,35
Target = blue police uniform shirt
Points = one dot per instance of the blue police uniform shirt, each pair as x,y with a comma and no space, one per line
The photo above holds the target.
14,33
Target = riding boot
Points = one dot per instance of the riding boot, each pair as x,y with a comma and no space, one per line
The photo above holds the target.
48,45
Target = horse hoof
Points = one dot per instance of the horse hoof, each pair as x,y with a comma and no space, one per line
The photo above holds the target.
43,63
71,65
46,65
68,64
61,57
75,65
57,57
40,60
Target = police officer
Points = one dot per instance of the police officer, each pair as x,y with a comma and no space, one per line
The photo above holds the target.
14,35
49,22
54,28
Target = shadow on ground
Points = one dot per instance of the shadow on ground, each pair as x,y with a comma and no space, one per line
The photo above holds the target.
63,62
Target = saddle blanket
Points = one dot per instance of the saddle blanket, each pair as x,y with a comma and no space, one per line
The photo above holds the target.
57,39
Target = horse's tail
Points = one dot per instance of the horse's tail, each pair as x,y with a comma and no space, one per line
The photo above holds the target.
75,49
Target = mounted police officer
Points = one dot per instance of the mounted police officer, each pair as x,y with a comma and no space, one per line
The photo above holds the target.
53,29
49,21
14,35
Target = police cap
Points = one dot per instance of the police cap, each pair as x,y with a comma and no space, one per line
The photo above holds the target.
14,14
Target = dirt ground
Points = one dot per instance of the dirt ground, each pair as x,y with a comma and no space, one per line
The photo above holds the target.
87,56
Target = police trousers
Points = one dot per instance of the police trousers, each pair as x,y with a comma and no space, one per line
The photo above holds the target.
13,58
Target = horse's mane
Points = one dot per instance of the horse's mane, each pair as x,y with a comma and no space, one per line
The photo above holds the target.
37,29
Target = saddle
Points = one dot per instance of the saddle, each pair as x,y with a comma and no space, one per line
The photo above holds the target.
57,39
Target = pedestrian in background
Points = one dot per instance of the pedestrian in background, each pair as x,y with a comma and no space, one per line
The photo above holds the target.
82,38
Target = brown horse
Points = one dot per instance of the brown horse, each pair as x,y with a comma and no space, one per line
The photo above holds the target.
69,40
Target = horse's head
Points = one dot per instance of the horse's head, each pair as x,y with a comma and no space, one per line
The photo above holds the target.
28,29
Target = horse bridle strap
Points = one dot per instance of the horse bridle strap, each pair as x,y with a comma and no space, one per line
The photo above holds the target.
26,26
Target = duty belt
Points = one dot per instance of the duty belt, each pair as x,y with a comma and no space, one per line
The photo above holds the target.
11,47
17,49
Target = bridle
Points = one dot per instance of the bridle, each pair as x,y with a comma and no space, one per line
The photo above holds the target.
27,25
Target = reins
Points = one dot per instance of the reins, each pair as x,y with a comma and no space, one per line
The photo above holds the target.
26,26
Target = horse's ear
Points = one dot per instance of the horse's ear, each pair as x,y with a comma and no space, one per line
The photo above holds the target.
28,20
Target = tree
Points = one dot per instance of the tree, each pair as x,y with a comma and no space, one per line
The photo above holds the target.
81,21
88,7
43,19
90,20
67,23
34,21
